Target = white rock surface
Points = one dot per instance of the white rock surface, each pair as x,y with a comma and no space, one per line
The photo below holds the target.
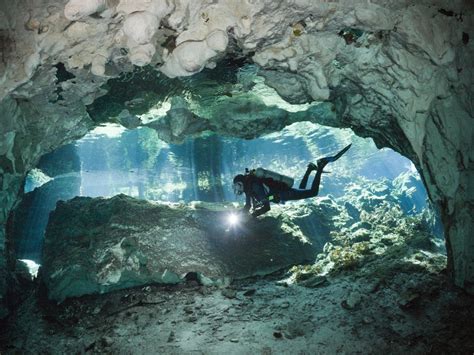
190,57
141,26
77,9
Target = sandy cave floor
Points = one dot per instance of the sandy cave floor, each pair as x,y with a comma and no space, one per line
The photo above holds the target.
258,316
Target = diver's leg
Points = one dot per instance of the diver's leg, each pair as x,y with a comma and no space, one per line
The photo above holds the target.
304,181
294,194
316,182
317,179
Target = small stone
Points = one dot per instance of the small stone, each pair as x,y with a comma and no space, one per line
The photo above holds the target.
278,335
352,301
188,309
408,300
229,293
32,24
43,29
285,305
52,9
120,332
345,305
204,290
107,341
234,340
90,346
367,320
249,293
314,281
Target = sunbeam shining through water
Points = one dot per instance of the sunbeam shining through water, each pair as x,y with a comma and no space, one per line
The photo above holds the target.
111,160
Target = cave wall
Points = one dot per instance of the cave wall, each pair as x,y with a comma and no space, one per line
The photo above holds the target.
400,72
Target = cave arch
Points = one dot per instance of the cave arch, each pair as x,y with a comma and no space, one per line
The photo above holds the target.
400,73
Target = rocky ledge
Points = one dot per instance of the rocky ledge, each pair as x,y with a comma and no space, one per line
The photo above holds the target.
98,245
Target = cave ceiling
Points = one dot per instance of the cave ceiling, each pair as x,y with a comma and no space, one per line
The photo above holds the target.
393,71
117,58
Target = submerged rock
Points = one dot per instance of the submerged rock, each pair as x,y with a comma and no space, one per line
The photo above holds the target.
98,245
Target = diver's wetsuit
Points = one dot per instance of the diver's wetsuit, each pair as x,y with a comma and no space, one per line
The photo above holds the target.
259,192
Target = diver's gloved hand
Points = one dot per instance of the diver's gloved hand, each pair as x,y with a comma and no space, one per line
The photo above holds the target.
262,210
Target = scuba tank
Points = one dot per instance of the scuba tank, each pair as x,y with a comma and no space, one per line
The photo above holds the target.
263,173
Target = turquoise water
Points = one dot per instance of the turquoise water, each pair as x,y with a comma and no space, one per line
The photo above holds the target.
111,160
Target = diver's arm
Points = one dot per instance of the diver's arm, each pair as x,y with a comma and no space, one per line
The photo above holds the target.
247,203
261,202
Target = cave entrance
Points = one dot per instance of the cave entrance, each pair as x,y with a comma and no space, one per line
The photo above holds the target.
112,160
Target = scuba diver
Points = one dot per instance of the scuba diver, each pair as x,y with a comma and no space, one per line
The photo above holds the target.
263,186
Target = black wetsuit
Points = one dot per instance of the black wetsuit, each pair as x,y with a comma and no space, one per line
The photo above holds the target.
259,192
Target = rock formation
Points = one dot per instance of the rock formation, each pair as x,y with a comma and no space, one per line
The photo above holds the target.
98,245
95,245
399,72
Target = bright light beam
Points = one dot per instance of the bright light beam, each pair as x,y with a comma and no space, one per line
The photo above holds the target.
233,219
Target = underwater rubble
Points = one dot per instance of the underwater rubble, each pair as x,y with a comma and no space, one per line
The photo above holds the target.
397,306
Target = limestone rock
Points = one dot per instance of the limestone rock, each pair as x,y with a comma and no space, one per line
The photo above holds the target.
98,245
77,9
353,300
190,57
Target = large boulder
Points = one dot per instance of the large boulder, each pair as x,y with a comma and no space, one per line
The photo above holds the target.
95,245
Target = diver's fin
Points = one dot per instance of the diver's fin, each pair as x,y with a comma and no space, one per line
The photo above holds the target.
338,155
323,161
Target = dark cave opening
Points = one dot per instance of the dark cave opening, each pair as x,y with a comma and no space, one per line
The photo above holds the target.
62,74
